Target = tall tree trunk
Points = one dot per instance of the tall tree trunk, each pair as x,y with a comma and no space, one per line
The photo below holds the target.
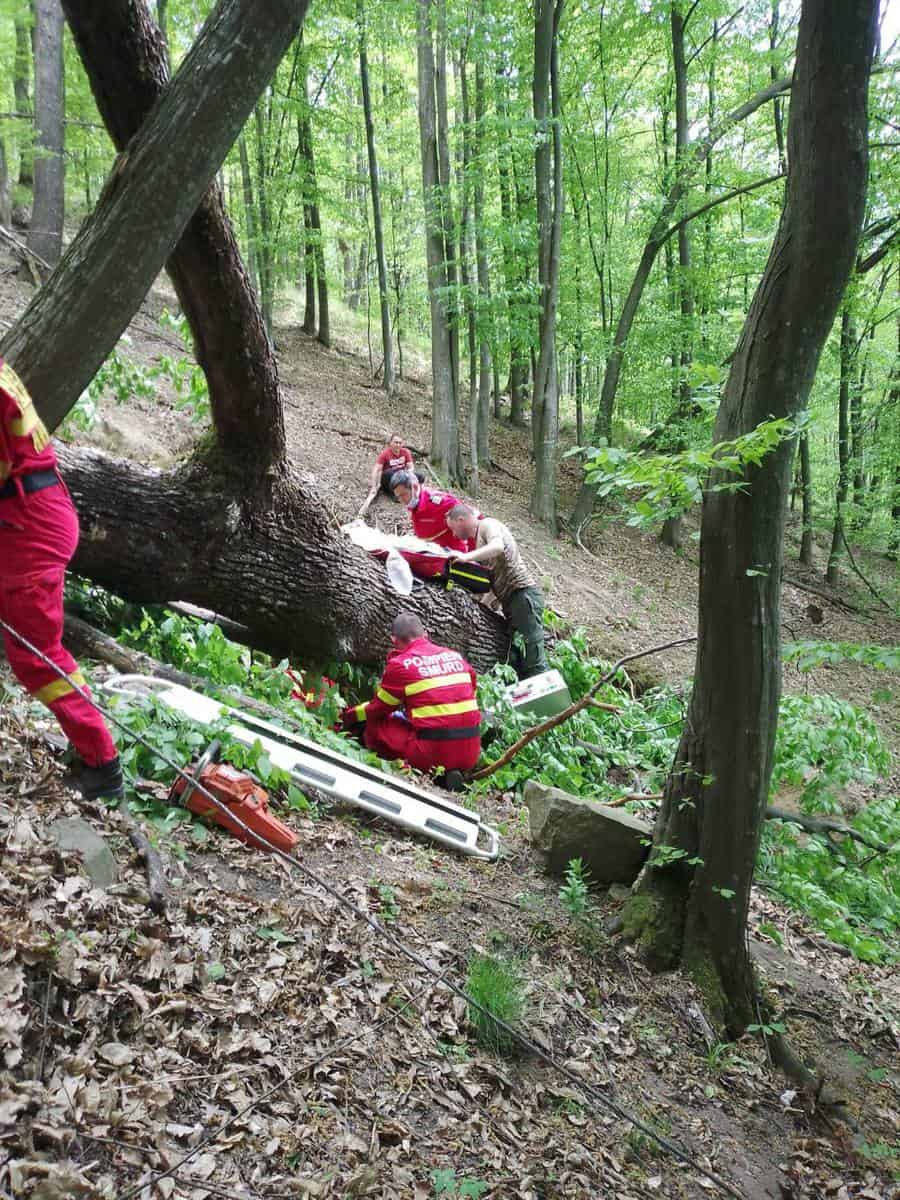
848,340
691,904
671,533
464,174
48,207
249,213
659,234
22,93
446,193
510,265
72,324
445,449
375,192
548,178
5,188
777,114
484,317
806,535
309,273
323,334
127,66
265,250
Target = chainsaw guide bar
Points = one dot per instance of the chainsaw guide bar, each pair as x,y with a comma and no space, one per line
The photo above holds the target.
324,770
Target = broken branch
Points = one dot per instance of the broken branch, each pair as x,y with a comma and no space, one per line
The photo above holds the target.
551,723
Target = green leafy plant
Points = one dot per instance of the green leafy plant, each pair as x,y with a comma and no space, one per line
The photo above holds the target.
574,892
445,1183
497,987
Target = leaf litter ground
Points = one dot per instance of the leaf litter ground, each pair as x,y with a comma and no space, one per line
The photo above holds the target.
128,1040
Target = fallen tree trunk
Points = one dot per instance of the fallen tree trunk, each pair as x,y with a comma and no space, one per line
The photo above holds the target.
280,566
825,825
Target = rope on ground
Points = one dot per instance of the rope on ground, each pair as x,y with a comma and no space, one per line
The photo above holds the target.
591,1091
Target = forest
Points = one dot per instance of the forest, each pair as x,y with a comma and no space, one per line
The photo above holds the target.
623,276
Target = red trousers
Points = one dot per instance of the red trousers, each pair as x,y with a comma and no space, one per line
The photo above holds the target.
394,737
38,536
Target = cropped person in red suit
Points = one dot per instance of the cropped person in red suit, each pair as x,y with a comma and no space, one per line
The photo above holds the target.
38,536
424,710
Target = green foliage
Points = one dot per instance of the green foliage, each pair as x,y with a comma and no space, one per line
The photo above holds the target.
574,892
658,486
822,745
498,987
852,893
809,655
125,381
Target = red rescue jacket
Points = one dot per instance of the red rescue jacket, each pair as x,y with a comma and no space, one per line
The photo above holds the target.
429,519
436,688
24,441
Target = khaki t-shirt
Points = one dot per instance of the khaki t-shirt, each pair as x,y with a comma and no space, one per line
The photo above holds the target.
510,573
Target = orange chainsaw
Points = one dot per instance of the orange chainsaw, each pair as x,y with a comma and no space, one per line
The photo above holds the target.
240,794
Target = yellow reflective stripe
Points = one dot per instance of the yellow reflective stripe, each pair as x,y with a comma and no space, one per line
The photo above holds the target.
387,698
445,710
360,711
22,426
59,688
5,468
466,575
425,685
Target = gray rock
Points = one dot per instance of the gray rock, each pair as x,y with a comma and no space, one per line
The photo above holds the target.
71,833
608,841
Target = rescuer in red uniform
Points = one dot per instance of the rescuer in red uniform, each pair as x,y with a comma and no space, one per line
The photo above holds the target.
428,510
38,536
424,710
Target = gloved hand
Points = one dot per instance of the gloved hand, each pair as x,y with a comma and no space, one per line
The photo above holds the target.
350,717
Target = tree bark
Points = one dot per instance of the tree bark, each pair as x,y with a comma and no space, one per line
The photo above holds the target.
70,327
548,177
265,249
445,448
448,224
249,213
510,265
280,569
848,338
5,188
375,191
656,239
484,320
691,910
323,332
21,91
126,62
806,536
48,207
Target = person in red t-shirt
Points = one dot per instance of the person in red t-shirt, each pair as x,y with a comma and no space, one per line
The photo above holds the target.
424,710
393,458
38,536
428,510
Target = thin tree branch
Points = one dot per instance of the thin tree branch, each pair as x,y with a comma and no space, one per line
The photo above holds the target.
698,212
551,723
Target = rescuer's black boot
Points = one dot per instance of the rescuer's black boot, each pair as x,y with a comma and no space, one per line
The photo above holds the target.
96,783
